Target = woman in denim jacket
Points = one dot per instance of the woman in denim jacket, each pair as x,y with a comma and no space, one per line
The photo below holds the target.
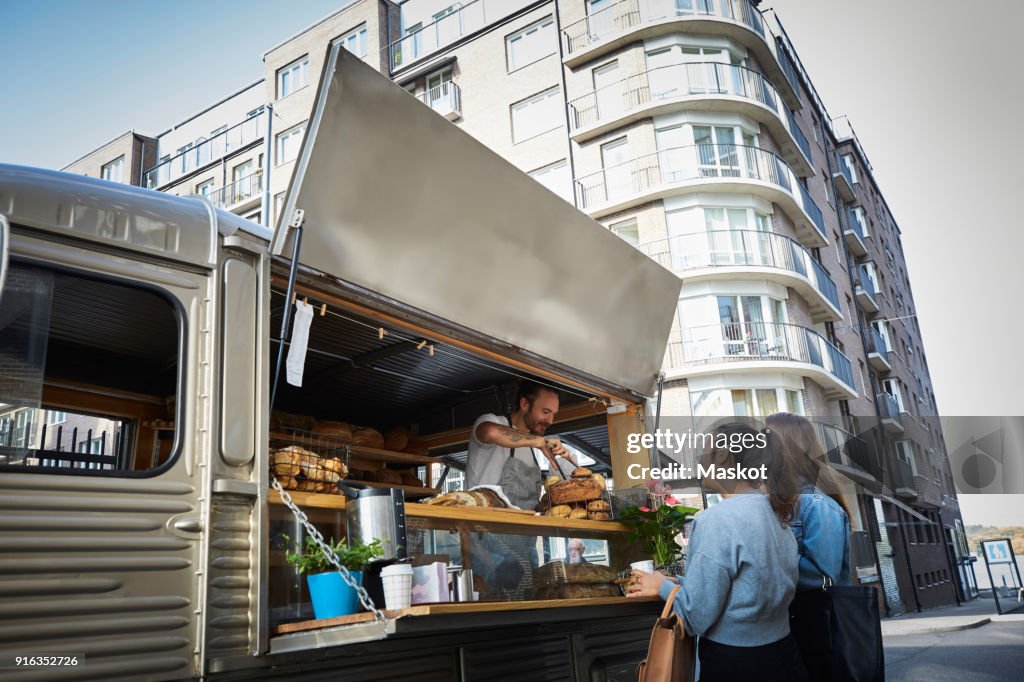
822,522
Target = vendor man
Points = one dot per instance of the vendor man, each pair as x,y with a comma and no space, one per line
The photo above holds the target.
501,449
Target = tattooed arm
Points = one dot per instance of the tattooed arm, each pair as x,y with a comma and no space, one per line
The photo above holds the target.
506,437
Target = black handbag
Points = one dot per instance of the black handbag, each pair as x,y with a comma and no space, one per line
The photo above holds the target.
839,631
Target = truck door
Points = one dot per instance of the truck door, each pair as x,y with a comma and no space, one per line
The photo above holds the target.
102,399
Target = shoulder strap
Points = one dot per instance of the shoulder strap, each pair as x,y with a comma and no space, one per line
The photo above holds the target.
669,601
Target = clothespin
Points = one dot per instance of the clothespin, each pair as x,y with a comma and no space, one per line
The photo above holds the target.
294,296
380,333
431,349
421,344
323,309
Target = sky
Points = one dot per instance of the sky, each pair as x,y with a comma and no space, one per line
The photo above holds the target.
933,90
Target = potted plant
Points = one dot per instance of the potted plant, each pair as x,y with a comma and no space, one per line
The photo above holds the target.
331,595
658,529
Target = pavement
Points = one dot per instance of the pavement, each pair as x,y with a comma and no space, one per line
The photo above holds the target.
973,614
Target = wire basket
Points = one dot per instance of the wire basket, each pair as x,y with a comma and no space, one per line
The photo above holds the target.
594,507
305,462
621,498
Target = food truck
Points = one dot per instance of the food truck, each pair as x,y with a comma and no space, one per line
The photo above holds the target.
140,337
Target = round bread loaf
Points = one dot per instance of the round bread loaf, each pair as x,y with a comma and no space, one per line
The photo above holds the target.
599,516
367,437
599,480
397,438
409,478
389,476
576,490
334,430
582,472
578,513
285,462
598,506
560,511
550,481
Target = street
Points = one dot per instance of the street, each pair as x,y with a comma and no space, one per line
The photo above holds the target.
991,652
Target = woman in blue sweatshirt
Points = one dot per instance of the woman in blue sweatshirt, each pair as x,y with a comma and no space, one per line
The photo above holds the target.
741,568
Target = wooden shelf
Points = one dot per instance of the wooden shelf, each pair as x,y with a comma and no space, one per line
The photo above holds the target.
358,450
331,501
460,608
516,517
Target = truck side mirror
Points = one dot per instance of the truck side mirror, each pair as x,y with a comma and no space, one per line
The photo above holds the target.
5,247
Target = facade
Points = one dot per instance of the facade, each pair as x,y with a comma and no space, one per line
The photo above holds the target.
690,129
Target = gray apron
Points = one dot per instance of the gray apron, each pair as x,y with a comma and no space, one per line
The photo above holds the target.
521,482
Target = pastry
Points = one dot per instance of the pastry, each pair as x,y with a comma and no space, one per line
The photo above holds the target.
598,506
560,511
599,480
582,472
285,462
550,481
578,513
599,516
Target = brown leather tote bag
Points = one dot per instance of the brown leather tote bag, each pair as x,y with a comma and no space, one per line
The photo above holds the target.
671,653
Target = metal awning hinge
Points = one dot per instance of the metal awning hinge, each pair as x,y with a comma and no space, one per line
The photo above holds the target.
298,217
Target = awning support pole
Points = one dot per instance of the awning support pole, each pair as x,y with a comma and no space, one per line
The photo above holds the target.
286,318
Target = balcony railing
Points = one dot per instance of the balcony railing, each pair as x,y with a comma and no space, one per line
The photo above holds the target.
621,17
889,408
669,82
238,191
852,223
847,450
445,99
694,162
755,341
730,248
222,144
465,20
902,478
798,135
867,284
878,344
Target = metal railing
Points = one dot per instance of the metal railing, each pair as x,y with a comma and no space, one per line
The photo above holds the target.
746,341
465,20
693,162
238,191
798,135
878,344
58,446
844,169
902,475
852,223
844,448
668,82
621,17
865,282
721,248
889,408
230,140
443,98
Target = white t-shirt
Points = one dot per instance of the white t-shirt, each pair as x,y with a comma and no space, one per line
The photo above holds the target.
486,460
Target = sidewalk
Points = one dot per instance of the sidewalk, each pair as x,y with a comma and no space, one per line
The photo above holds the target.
972,614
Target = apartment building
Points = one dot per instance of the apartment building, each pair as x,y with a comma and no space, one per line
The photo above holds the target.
691,129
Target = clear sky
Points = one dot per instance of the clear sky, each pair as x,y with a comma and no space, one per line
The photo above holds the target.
933,89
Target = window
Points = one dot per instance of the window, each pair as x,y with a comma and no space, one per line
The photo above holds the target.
286,144
414,46
536,115
850,166
618,179
48,346
217,131
255,112
355,41
114,171
530,44
278,204
627,230
556,178
292,77
858,213
205,189
439,90
749,402
824,184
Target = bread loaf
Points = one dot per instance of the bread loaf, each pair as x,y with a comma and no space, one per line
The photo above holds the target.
599,516
339,430
397,438
469,498
409,478
576,490
598,506
285,462
389,476
367,437
578,513
560,511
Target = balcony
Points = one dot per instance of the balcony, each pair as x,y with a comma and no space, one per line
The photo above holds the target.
929,492
445,99
850,455
465,20
227,142
724,168
843,181
631,21
732,254
878,351
704,86
241,195
890,414
853,233
902,479
864,290
743,347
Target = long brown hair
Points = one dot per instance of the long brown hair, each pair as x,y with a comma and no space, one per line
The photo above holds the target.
797,442
782,483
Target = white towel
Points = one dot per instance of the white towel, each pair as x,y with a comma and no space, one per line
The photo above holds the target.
300,339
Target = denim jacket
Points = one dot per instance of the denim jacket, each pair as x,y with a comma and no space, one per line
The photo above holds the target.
822,531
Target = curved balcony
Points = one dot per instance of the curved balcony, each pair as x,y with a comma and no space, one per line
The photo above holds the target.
629,21
707,86
761,346
725,168
735,254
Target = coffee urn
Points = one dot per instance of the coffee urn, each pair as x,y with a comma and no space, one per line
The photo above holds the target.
375,513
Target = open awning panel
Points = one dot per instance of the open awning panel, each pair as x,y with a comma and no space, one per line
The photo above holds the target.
400,201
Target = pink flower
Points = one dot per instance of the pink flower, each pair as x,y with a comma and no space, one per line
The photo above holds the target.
671,500
644,509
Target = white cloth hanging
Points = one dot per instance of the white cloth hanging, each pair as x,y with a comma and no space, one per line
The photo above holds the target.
299,341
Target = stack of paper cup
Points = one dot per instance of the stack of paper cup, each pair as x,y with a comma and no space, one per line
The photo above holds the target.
397,580
643,566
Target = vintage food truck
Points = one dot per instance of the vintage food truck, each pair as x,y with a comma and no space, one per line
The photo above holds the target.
139,336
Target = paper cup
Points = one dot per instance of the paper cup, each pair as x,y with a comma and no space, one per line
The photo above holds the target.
643,566
397,582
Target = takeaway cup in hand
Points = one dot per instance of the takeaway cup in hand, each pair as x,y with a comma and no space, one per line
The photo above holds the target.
643,566
397,581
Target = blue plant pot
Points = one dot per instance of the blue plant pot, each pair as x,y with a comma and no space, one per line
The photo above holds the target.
331,596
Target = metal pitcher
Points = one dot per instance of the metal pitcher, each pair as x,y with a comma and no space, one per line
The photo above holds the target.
375,513
462,583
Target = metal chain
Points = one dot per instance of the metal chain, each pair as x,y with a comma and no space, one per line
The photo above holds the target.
311,530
